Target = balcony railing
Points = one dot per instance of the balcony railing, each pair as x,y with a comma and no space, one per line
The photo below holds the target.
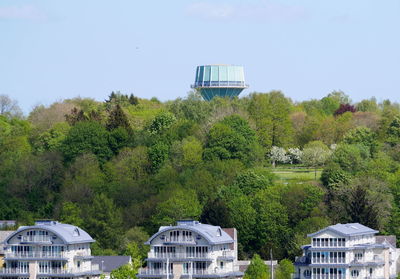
328,276
365,261
36,238
56,270
35,255
178,255
198,272
329,260
53,271
10,270
179,239
228,254
219,84
147,271
201,271
378,258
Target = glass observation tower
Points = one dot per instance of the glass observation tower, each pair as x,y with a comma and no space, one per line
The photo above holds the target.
219,80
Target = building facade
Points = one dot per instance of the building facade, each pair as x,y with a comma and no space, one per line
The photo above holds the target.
3,236
48,249
192,250
347,251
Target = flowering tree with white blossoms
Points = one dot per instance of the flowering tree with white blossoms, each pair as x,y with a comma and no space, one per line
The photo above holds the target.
278,155
295,155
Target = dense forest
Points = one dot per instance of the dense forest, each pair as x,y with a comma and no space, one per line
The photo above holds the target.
121,168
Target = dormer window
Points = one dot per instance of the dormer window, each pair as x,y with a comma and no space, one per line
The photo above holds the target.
219,232
76,232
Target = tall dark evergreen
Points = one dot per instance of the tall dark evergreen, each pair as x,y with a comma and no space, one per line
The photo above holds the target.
118,118
360,210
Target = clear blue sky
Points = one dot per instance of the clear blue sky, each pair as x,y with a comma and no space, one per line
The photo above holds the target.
57,49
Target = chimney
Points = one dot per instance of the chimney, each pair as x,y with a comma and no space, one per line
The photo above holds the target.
232,232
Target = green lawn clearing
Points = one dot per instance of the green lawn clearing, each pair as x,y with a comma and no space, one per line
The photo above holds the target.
290,174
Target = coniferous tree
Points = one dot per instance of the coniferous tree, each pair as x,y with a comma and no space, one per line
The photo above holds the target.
133,100
118,118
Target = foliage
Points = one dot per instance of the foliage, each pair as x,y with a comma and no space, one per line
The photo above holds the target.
366,200
123,167
158,154
104,222
127,271
278,155
345,108
181,205
315,154
71,214
363,136
285,269
253,180
161,122
117,118
295,155
257,269
231,138
271,114
9,107
133,242
86,136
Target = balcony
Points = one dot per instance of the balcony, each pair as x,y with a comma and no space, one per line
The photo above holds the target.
209,273
179,240
83,255
328,276
13,271
329,260
198,272
36,239
227,255
365,262
40,255
177,256
65,271
146,272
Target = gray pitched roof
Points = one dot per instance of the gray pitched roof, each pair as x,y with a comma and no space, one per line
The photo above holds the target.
109,263
7,223
213,234
391,239
68,233
347,229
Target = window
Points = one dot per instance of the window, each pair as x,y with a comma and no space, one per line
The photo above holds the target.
355,273
307,273
221,265
358,256
186,268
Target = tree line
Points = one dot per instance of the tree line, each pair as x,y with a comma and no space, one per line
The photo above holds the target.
123,167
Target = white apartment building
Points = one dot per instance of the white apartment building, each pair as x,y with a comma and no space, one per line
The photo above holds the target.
48,249
192,250
347,251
